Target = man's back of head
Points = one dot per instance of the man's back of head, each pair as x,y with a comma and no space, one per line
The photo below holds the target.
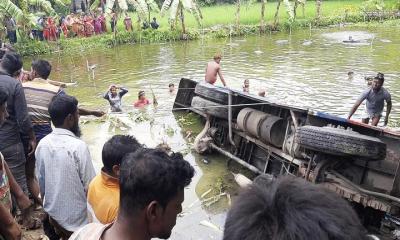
116,148
41,68
289,208
62,107
152,184
11,63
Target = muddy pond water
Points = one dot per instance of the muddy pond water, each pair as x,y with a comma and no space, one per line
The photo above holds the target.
306,69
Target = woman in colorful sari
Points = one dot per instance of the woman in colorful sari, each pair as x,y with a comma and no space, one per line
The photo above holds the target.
97,25
102,19
89,25
51,25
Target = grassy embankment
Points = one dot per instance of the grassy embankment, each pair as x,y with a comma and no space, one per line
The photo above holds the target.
218,21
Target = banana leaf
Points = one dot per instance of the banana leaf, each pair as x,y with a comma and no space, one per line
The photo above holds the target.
173,11
153,5
187,5
144,9
9,8
197,13
141,12
123,5
109,6
289,9
95,5
44,5
59,3
166,5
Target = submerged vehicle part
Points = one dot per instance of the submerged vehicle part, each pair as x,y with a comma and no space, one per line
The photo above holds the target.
357,161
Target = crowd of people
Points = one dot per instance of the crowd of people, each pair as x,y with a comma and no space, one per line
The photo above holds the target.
73,25
139,191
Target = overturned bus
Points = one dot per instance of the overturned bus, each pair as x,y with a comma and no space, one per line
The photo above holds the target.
357,161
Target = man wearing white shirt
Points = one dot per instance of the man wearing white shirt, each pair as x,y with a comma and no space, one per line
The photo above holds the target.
64,168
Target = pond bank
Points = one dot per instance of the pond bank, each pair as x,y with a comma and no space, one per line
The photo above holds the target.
33,48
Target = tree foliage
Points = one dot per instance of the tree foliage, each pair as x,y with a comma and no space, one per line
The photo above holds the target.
176,7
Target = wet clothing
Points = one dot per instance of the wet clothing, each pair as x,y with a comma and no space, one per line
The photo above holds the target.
141,103
116,101
93,231
64,170
103,198
375,101
5,193
17,122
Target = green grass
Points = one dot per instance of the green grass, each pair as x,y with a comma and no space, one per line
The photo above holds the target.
218,22
250,14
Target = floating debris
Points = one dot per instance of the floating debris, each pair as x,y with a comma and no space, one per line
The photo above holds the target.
282,42
205,193
210,225
258,52
242,180
205,160
386,41
307,43
232,44
169,131
140,116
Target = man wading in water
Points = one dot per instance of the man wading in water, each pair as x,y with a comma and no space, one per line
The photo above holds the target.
375,96
213,68
114,97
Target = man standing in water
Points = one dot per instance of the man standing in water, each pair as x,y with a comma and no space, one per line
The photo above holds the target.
214,68
375,96
114,97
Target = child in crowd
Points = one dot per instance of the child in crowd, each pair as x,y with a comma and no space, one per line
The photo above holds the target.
246,86
142,100
103,193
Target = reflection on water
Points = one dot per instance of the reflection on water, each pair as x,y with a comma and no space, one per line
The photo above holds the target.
306,69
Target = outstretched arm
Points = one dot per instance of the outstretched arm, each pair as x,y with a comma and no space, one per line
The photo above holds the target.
85,112
221,77
354,108
61,84
388,109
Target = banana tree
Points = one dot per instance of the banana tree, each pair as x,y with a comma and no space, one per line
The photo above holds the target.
289,11
239,4
22,17
177,7
319,3
142,7
262,22
296,4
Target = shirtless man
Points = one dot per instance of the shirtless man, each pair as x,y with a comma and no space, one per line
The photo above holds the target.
213,68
